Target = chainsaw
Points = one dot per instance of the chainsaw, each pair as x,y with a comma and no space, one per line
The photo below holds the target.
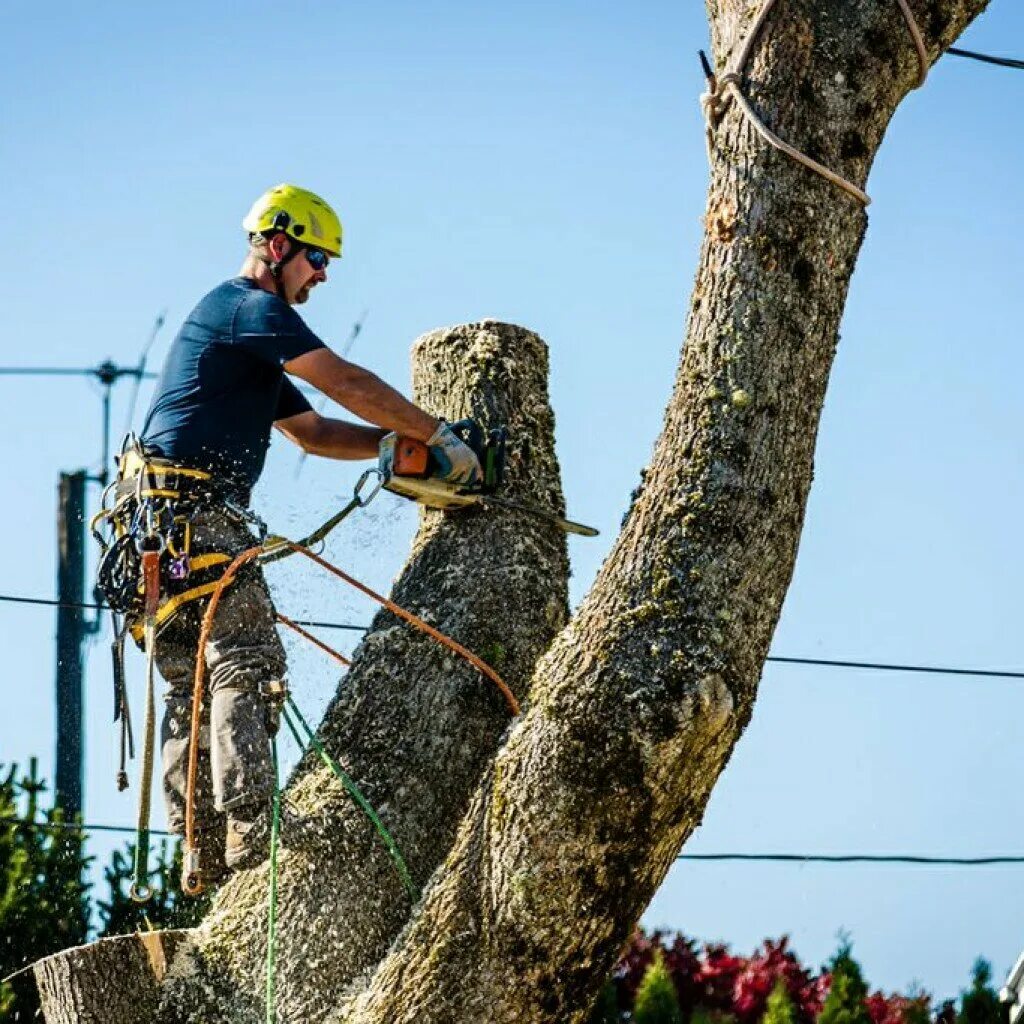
407,467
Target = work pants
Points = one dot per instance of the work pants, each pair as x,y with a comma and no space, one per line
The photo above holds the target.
244,657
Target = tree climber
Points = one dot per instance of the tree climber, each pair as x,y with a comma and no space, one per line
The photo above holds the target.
224,383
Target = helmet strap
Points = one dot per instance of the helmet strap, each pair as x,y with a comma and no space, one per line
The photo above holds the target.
275,266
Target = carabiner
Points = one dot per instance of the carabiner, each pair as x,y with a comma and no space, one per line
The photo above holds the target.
357,496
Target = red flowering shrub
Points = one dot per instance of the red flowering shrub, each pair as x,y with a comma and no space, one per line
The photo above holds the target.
713,984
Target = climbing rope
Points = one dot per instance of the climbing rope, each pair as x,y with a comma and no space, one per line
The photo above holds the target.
353,790
275,832
728,85
278,547
191,878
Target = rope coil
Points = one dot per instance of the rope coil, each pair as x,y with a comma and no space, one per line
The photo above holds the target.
728,85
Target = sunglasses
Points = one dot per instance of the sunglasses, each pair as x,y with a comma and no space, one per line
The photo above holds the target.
317,258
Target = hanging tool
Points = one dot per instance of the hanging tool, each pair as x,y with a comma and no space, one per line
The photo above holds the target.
407,467
150,548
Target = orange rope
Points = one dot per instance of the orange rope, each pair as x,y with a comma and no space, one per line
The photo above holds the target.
284,620
192,884
453,645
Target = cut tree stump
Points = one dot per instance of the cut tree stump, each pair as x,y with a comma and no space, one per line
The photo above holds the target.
111,981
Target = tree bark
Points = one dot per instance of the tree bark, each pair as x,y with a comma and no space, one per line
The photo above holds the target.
110,980
636,708
637,705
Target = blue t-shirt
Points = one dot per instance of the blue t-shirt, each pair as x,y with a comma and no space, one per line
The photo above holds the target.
222,385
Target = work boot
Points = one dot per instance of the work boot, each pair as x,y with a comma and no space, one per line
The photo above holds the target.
248,834
212,868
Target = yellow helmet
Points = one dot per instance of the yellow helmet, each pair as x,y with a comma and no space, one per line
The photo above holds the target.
300,214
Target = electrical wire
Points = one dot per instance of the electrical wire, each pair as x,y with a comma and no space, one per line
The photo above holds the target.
910,859
871,666
857,858
72,826
53,603
1003,62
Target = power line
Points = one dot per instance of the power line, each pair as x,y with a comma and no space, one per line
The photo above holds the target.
106,373
912,859
1003,62
881,667
871,666
53,603
72,826
857,858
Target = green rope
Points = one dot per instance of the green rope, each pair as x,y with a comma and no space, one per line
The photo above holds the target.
353,791
275,830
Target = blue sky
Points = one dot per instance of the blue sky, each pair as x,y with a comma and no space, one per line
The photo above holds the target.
545,164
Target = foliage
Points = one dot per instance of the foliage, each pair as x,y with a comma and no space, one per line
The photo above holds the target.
780,1008
656,999
44,898
771,986
980,1003
847,995
606,1009
45,903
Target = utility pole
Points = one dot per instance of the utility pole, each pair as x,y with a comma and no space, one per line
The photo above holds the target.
72,629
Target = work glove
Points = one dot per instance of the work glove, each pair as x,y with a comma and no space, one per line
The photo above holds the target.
457,461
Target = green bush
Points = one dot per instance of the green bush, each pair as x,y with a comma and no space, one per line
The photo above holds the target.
44,898
780,1008
656,999
980,1003
847,992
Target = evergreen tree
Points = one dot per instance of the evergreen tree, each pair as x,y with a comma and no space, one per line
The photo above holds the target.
44,898
845,1002
780,1008
656,999
980,1003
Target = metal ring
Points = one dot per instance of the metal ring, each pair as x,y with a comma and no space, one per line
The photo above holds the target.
140,543
191,884
140,893
356,494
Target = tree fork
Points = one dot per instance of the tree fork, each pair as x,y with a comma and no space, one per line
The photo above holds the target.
636,708
411,723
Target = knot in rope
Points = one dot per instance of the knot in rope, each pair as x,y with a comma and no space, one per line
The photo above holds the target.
728,85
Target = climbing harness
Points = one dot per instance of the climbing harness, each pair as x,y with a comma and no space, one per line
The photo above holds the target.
728,85
149,571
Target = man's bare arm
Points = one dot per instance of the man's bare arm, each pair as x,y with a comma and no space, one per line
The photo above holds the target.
363,393
334,439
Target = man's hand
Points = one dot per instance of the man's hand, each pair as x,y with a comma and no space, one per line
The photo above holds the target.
458,462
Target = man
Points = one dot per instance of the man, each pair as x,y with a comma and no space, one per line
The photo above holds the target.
224,384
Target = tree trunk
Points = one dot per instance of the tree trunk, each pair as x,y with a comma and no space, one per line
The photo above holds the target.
411,723
110,980
636,707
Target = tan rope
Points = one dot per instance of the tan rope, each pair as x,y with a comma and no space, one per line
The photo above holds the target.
722,88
